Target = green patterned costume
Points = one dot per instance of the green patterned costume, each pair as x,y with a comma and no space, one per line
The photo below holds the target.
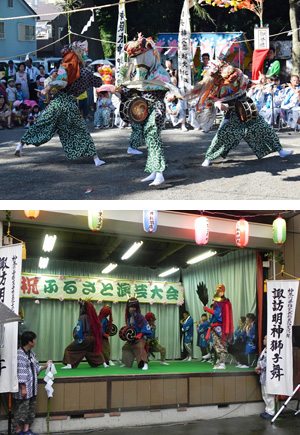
62,116
260,137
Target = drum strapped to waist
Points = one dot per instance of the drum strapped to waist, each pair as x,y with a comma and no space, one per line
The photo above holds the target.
113,330
127,333
134,110
246,109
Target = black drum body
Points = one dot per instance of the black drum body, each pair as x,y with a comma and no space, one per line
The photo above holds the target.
134,110
127,334
246,110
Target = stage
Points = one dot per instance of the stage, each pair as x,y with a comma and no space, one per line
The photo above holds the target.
86,390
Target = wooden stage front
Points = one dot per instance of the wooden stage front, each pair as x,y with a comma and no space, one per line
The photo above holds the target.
82,392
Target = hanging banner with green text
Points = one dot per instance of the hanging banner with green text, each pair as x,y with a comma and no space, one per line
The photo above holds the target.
98,289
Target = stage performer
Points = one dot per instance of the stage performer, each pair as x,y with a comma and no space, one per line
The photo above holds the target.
106,319
62,115
150,81
153,343
136,349
187,325
202,328
221,325
87,343
224,87
27,371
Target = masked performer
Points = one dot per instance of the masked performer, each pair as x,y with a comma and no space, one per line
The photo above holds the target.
224,86
147,114
221,325
87,343
153,343
106,319
62,115
136,349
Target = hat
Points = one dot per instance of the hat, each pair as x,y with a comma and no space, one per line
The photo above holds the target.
3,81
42,79
219,295
10,80
17,103
89,61
18,83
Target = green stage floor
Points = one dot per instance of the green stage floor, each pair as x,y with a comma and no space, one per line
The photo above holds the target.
84,370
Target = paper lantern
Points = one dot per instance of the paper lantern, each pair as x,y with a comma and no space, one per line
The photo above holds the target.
242,233
279,231
95,220
201,230
150,221
32,214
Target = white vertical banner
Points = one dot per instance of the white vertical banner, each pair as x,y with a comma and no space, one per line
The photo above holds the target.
281,306
184,50
120,40
10,283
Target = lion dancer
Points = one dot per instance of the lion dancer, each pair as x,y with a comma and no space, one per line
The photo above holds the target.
153,343
136,349
221,325
224,87
62,115
87,343
106,319
150,81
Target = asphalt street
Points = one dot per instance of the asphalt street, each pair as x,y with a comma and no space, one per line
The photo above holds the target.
44,173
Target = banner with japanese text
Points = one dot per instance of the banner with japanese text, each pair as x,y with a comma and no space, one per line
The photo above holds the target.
184,50
99,289
10,280
281,306
120,41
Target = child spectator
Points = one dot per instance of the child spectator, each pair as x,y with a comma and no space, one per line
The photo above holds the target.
261,370
103,110
83,105
3,88
43,100
34,115
11,92
250,336
202,329
175,112
20,94
5,114
17,112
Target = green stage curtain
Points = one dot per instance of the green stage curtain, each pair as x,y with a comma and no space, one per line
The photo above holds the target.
53,320
237,271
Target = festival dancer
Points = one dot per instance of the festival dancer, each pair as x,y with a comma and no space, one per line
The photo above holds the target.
150,81
106,325
87,343
62,114
136,349
153,343
221,325
222,84
187,325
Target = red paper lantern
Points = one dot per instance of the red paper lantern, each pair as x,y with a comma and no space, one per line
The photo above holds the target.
242,233
201,230
32,214
95,220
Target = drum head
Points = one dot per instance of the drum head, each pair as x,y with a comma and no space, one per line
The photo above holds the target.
137,110
130,334
246,110
113,330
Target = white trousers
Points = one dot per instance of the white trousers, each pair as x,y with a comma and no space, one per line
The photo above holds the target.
269,400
